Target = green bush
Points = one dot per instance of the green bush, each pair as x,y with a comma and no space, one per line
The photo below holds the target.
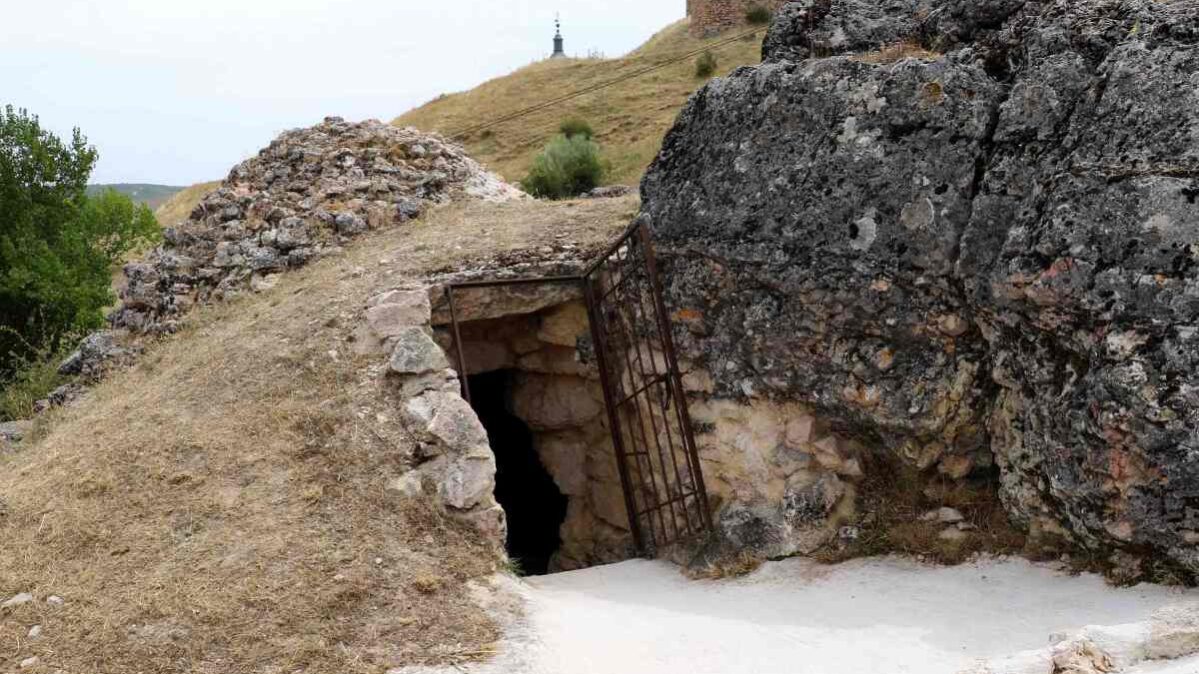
33,377
758,15
567,167
576,127
57,245
705,65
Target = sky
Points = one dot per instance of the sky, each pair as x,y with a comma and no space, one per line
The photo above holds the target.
178,91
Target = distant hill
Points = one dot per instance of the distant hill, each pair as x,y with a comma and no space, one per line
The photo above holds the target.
629,118
150,195
176,209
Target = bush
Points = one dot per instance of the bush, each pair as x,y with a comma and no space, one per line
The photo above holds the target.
33,377
576,127
57,245
567,167
706,64
758,15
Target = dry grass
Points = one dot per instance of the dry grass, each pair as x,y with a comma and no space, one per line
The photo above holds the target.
630,119
897,52
222,507
178,207
892,499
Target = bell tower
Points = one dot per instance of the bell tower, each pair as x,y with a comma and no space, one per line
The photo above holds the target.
559,52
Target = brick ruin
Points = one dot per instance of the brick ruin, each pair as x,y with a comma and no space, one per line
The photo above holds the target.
709,17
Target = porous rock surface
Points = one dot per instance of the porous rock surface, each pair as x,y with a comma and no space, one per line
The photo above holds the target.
303,196
980,257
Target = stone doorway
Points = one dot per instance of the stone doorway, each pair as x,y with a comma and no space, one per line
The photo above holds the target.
533,503
538,394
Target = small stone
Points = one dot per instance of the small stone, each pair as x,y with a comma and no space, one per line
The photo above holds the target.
952,534
55,600
35,632
944,515
30,662
416,353
23,598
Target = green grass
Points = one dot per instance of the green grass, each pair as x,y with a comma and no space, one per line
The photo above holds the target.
629,119
33,380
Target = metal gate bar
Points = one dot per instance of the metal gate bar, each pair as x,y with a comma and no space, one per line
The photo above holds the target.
648,420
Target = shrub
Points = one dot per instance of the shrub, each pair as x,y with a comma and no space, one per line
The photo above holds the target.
33,377
757,15
57,245
567,167
576,126
706,64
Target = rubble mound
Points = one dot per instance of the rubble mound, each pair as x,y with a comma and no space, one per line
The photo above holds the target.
976,248
302,197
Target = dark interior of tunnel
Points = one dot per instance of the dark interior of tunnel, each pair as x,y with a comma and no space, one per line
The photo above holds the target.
534,505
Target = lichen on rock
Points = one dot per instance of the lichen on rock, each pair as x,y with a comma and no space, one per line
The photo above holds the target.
983,254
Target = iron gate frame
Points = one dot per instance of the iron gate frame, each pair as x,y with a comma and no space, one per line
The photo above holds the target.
634,464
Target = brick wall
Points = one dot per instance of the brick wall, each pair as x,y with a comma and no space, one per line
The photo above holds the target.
712,16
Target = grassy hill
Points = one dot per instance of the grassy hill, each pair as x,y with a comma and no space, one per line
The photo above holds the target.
629,118
150,195
181,203
224,505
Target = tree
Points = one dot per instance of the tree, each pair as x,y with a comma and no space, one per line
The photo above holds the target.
57,245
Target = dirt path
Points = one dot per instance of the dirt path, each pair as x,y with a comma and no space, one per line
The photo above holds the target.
863,617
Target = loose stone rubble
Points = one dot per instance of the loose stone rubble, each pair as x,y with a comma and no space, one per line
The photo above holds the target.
980,258
305,195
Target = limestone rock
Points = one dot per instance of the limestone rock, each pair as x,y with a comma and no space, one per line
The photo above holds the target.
445,419
548,402
17,600
96,353
989,250
14,431
415,353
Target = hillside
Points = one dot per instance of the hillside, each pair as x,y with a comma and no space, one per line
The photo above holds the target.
225,506
150,195
176,209
629,118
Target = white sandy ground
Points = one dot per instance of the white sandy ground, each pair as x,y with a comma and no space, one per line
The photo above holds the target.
881,616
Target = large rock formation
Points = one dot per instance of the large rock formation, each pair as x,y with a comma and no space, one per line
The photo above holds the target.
300,198
976,246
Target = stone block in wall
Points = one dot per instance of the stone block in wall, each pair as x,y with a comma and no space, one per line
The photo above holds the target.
550,402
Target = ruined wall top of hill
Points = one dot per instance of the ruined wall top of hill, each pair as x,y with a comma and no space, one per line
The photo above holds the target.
301,197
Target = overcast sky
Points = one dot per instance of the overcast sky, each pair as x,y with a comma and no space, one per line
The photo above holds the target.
178,91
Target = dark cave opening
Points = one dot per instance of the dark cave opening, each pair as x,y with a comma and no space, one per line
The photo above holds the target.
534,505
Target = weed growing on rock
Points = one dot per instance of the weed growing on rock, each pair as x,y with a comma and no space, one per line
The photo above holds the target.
705,65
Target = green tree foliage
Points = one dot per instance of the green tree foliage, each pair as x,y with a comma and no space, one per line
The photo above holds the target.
567,167
705,65
57,245
576,126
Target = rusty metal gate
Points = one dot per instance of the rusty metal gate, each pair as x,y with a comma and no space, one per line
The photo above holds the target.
647,412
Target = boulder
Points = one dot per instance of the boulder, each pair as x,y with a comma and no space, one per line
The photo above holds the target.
978,249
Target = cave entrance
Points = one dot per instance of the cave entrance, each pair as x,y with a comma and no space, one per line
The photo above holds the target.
535,506
597,383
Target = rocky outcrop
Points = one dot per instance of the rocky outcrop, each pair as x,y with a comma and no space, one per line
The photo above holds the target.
983,255
302,197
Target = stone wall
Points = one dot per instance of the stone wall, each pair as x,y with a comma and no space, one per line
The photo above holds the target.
709,17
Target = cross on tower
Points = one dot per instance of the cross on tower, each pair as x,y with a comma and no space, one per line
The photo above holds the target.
558,42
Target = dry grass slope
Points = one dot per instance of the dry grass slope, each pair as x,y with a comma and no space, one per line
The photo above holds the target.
179,206
630,119
223,506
